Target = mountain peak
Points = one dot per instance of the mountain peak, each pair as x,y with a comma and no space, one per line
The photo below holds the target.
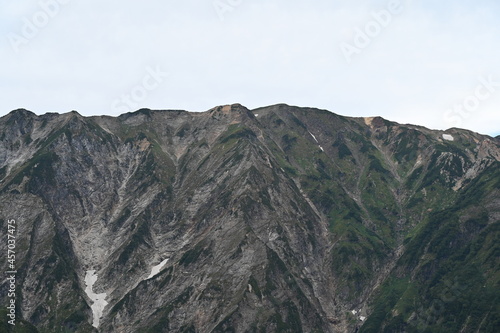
375,122
229,108
21,113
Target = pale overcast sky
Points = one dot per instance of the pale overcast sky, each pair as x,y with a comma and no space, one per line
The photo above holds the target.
432,63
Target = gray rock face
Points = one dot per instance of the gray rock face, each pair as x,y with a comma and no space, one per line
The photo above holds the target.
279,219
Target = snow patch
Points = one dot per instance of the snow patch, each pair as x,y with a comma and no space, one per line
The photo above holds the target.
313,137
273,236
448,137
156,269
316,141
98,300
362,318
256,114
354,312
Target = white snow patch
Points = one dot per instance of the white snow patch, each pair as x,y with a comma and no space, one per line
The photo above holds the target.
156,269
448,137
313,137
362,318
321,148
354,312
98,300
273,236
256,114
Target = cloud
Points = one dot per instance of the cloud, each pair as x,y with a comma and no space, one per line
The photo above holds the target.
425,61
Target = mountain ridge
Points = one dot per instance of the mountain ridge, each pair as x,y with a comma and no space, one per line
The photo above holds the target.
145,110
274,219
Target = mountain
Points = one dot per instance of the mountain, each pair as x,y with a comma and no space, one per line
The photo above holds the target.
278,219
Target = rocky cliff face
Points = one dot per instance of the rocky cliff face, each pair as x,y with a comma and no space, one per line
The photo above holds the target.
279,219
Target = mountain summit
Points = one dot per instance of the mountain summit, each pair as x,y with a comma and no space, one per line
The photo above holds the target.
278,219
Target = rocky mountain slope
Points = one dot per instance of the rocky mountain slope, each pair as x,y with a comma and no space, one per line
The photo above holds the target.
279,219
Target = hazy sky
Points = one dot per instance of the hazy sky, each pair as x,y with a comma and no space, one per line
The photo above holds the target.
432,63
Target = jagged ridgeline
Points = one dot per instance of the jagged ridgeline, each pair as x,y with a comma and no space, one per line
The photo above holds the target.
279,219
